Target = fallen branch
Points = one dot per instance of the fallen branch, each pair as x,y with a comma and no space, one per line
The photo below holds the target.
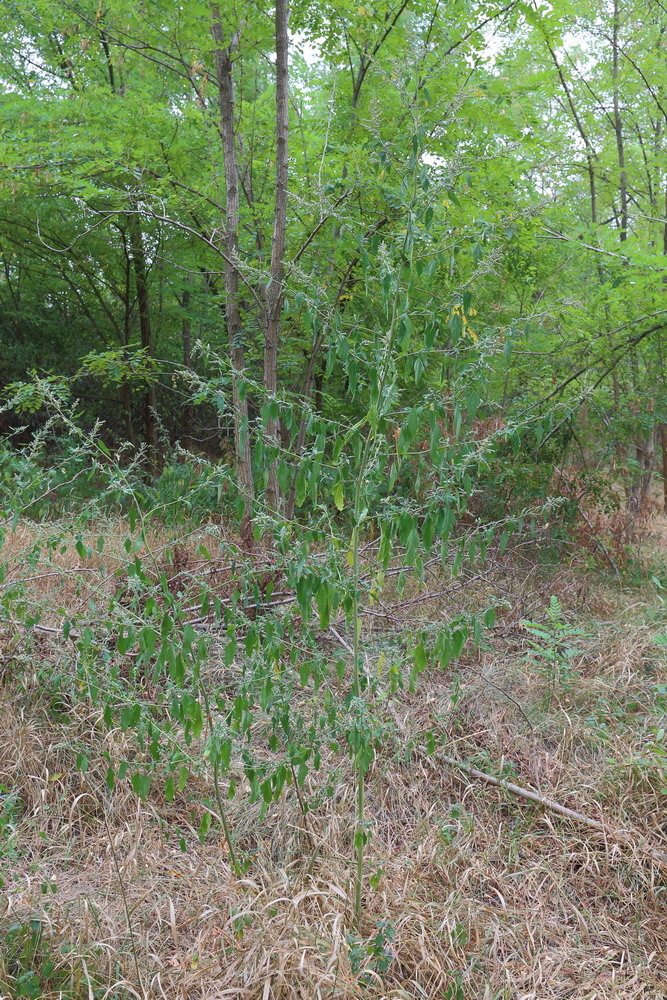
541,800
658,857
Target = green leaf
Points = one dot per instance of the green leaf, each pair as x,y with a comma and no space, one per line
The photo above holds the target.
204,826
338,496
141,784
420,657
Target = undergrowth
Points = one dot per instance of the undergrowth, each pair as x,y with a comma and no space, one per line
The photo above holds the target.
119,878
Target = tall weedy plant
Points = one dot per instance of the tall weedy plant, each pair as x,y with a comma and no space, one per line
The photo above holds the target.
409,432
233,681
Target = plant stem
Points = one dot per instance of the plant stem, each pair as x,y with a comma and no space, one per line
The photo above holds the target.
360,848
302,806
356,617
357,694
126,907
216,787
223,817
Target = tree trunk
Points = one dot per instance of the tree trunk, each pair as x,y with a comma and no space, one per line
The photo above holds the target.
590,152
618,129
663,427
126,399
645,455
223,65
146,333
644,444
187,417
274,293
125,388
663,447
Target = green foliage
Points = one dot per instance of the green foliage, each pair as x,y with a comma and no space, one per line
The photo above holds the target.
375,956
31,396
554,646
10,810
186,491
34,964
120,366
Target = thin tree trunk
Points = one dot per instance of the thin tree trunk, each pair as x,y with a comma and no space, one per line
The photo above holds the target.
126,399
590,152
187,418
146,333
663,446
319,385
223,65
619,448
618,129
125,389
645,455
644,445
274,294
663,427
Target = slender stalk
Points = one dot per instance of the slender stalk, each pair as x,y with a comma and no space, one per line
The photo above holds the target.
356,615
223,817
357,693
302,806
359,876
216,788
126,907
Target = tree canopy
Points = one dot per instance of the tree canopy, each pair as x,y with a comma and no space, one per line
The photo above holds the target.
200,208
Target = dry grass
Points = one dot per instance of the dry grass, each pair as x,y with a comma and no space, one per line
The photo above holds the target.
482,890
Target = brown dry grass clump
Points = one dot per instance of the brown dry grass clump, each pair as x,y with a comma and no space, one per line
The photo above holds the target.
489,897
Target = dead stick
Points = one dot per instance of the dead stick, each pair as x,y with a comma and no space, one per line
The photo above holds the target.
542,800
